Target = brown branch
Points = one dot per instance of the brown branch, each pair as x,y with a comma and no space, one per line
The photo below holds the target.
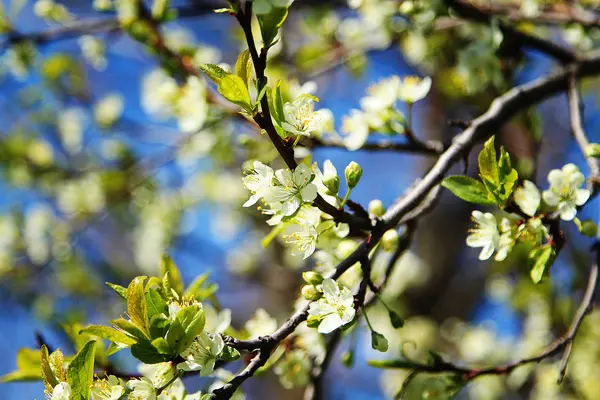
501,111
563,344
429,148
563,14
470,11
576,112
263,120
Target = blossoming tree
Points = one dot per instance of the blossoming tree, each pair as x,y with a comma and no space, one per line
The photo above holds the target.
257,126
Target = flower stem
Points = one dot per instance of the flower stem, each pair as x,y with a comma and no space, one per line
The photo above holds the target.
346,197
368,322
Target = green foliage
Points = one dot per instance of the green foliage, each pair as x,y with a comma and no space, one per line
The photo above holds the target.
498,176
431,386
270,24
80,373
243,66
172,279
137,308
120,290
28,367
233,88
541,259
214,72
379,342
105,332
468,189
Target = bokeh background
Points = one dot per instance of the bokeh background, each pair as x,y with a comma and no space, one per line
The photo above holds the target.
83,204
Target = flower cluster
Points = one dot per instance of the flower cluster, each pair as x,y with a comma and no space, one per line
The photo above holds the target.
562,198
287,196
378,109
335,309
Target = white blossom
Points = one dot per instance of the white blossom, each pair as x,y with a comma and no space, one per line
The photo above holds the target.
191,108
413,88
304,236
261,324
141,389
528,198
202,354
62,391
565,192
293,190
258,181
107,389
485,234
94,51
356,128
108,109
300,116
335,308
294,369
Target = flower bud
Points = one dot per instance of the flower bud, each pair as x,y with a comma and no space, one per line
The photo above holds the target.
309,292
389,240
313,321
379,342
312,277
353,173
376,208
345,248
589,228
348,358
332,183
593,150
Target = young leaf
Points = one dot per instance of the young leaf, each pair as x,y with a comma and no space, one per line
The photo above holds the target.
111,334
233,89
270,24
278,101
214,72
137,308
80,373
120,290
156,303
188,324
432,386
488,165
147,353
542,258
47,374
22,375
242,66
168,266
468,189
130,328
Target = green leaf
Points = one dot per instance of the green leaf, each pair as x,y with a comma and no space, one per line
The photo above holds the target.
161,345
393,364
270,24
156,303
108,333
214,72
488,166
348,358
278,101
159,325
242,66
468,189
130,328
200,289
136,303
120,290
188,324
28,359
542,258
396,320
22,375
233,89
168,266
147,353
47,374
80,373
431,386
229,354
